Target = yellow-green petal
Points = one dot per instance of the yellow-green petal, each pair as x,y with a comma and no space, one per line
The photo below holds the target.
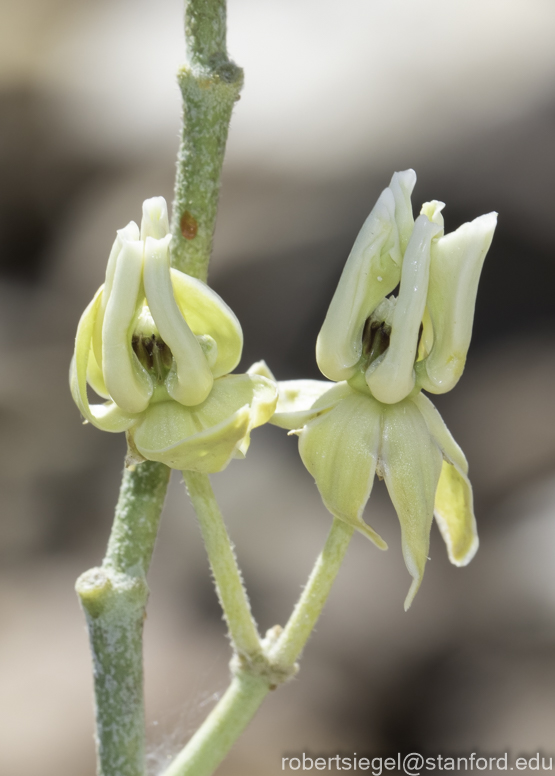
454,513
411,464
172,434
207,313
340,450
107,417
234,391
297,398
437,428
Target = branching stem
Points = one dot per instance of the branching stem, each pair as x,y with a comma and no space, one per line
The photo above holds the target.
251,683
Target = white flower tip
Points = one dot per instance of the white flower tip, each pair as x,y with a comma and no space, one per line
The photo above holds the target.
487,222
155,221
158,248
406,179
129,233
433,211
261,369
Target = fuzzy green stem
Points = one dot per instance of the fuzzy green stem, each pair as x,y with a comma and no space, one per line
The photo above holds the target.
250,685
229,585
210,84
223,726
114,598
289,646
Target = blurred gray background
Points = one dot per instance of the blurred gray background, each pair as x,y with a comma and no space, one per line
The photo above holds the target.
337,96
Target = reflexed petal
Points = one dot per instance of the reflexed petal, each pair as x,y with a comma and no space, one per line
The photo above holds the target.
437,428
172,433
127,381
456,264
261,368
107,417
190,380
233,392
411,463
391,377
207,313
296,401
369,275
155,218
340,449
454,513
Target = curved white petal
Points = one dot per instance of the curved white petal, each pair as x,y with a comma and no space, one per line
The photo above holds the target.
155,221
127,381
456,265
130,232
402,185
391,377
191,380
369,275
207,313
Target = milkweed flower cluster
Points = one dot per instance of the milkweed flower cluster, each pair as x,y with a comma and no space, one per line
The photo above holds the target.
158,346
380,351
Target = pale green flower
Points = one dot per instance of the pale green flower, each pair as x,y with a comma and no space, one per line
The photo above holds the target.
382,350
159,346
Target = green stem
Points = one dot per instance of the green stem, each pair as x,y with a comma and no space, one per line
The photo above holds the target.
210,744
114,598
223,726
229,585
289,646
210,84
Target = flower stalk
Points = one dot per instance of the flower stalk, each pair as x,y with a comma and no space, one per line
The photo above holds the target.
275,664
229,585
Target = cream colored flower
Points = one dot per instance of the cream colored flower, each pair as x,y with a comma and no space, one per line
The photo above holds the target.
382,350
159,346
